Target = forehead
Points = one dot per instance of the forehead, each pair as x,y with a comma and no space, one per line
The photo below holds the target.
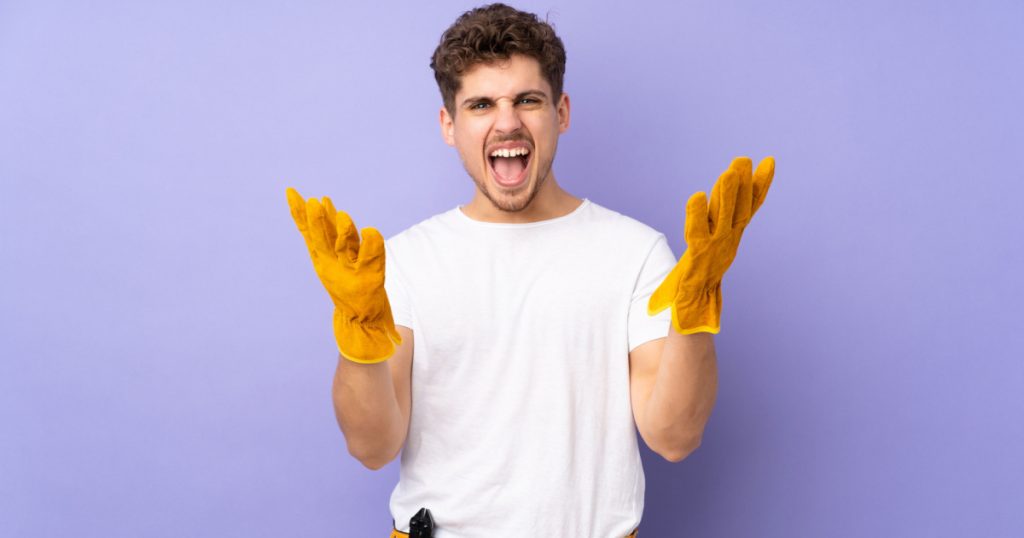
504,77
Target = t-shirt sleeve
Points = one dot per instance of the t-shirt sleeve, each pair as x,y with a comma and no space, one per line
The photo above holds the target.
401,309
642,327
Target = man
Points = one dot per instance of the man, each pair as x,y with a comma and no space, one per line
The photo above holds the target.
511,347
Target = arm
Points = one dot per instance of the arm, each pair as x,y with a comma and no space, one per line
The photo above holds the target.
673,383
674,380
372,403
371,390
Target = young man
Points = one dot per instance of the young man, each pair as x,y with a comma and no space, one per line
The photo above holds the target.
511,347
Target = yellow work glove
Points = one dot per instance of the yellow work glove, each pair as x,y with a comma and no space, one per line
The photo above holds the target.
694,287
353,274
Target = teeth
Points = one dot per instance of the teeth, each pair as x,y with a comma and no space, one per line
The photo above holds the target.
514,152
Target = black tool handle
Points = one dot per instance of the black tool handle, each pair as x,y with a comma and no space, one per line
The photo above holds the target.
421,525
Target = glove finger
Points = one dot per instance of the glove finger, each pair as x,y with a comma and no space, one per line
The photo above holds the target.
331,224
726,203
661,298
665,294
328,205
697,225
371,251
317,220
762,180
298,208
715,206
346,245
744,193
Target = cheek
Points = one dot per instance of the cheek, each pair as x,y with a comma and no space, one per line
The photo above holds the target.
471,152
545,130
469,140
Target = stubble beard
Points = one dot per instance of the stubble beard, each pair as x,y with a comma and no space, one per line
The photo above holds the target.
519,200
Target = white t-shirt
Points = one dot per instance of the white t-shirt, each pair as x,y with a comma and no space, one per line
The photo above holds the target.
521,419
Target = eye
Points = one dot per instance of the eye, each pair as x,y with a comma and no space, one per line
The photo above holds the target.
528,100
479,105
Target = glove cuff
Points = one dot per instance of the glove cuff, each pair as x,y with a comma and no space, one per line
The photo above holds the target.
365,342
698,310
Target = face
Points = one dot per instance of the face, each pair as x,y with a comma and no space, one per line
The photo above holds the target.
506,126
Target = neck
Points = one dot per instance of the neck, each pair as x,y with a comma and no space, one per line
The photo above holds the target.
551,201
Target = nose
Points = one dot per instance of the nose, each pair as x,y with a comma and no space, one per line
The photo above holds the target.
507,120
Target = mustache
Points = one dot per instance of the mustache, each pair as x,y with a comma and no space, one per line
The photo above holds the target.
510,138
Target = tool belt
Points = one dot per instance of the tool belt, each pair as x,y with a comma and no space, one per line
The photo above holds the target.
422,526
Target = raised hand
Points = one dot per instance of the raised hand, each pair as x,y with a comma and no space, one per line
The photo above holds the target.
353,274
694,287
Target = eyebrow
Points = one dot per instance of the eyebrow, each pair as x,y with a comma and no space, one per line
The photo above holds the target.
519,96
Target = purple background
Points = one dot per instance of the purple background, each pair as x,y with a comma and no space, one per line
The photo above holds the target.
166,347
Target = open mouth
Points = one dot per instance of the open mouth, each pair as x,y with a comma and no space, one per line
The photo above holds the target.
509,166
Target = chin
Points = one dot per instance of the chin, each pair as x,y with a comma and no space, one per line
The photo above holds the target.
515,199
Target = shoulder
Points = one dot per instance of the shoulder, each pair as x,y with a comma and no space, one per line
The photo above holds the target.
623,227
421,234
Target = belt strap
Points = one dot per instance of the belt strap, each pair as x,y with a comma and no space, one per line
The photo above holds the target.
399,534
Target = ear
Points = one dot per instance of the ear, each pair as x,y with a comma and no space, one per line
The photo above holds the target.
563,113
447,127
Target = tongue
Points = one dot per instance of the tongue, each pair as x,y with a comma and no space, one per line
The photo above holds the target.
509,168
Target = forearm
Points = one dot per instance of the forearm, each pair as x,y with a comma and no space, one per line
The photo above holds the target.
368,412
684,393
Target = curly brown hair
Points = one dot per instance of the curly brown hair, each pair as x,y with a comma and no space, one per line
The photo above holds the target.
492,33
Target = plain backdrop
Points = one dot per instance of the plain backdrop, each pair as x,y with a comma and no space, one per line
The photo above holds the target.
165,347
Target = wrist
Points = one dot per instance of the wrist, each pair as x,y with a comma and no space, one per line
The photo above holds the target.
364,342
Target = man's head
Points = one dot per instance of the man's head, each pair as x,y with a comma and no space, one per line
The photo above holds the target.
491,33
500,73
